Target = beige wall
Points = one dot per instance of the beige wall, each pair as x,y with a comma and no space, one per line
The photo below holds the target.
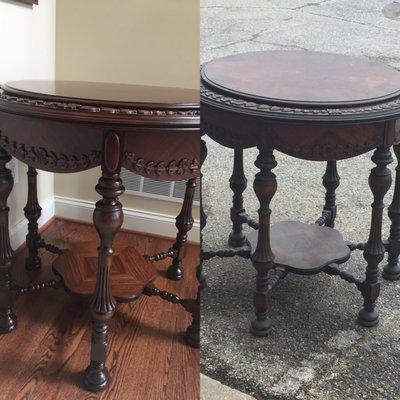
27,40
154,42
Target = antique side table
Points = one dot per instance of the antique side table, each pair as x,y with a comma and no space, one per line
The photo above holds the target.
67,127
313,106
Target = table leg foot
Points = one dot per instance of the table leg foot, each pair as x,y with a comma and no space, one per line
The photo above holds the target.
368,317
96,377
174,272
391,272
261,326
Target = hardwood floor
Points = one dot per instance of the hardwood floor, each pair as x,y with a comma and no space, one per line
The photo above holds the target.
148,360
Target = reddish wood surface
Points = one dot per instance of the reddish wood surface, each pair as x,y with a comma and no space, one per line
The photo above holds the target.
303,77
104,93
304,248
148,359
130,271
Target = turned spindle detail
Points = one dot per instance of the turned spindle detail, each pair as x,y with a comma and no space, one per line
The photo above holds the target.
192,335
391,270
32,212
265,186
107,218
380,180
7,318
184,223
330,180
238,184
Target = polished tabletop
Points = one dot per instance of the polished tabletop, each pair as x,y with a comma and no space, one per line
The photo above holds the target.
103,93
103,103
302,78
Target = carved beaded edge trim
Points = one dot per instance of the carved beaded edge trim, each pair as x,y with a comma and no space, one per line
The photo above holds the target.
320,150
49,158
253,106
139,165
71,106
173,168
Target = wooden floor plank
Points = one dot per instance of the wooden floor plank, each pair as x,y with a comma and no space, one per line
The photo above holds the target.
44,358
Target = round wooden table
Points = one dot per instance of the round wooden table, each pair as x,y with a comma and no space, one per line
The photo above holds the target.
313,106
67,127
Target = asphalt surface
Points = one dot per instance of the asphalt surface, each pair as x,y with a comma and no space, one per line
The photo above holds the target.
316,350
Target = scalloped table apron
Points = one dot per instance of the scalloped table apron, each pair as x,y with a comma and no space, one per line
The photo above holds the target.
313,106
67,127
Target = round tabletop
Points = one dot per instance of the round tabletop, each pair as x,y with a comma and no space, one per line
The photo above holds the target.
101,102
101,93
302,84
59,126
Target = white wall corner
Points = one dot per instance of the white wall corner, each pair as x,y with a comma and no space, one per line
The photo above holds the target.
20,229
135,220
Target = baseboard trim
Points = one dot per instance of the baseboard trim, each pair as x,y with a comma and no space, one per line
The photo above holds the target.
20,229
134,220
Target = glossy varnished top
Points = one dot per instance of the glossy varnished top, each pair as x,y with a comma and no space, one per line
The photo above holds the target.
103,93
102,102
302,78
301,86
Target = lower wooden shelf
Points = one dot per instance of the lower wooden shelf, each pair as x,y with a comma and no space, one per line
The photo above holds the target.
130,271
304,248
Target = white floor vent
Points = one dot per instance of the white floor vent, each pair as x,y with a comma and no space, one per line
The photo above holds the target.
170,191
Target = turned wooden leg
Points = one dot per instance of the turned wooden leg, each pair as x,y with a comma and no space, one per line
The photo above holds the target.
391,271
265,186
107,218
8,320
379,181
184,223
192,335
33,211
238,184
331,181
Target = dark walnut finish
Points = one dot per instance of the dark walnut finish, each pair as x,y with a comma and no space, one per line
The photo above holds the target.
192,335
313,106
7,318
391,270
293,243
184,223
238,184
68,127
32,211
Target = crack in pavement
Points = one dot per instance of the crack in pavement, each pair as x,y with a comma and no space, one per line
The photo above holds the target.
352,21
284,46
308,5
250,39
